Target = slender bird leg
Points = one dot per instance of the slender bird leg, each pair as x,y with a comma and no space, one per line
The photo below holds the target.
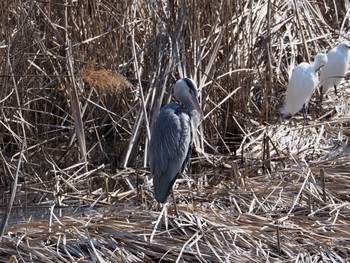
321,94
304,113
335,89
159,207
174,202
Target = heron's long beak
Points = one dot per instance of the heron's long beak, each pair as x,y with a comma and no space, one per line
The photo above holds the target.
197,106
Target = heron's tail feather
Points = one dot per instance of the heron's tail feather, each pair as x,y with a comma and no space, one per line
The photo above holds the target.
162,188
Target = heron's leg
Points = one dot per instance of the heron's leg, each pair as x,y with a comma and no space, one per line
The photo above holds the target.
174,202
335,90
321,94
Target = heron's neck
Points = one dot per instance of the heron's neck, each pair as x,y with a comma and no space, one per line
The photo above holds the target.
187,103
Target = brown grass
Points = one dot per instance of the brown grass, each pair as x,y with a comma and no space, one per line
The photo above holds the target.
81,85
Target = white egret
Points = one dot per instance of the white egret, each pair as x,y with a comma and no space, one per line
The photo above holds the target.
335,68
301,86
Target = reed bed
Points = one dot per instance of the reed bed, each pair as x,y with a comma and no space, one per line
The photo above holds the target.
81,85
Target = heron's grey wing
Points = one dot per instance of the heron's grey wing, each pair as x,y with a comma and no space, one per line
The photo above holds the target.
169,148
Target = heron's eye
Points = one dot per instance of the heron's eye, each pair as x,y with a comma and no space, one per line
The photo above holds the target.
191,86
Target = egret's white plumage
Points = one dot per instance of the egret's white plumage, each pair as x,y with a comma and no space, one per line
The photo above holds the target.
337,64
301,85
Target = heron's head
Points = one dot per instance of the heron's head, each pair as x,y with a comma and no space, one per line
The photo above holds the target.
185,90
320,60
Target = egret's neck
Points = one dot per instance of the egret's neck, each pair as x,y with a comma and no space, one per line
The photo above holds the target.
316,67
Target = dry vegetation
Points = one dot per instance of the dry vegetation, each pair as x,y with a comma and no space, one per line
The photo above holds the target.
81,84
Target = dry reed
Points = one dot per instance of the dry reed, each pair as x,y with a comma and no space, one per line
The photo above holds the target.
81,85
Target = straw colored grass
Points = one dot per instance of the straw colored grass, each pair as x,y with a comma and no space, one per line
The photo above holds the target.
81,86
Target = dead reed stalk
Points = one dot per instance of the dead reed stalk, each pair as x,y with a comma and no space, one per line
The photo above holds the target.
81,85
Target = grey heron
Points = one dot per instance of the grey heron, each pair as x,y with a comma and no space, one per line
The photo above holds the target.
337,65
172,137
301,86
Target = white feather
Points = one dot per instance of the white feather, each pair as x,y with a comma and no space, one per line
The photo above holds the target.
301,85
335,68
